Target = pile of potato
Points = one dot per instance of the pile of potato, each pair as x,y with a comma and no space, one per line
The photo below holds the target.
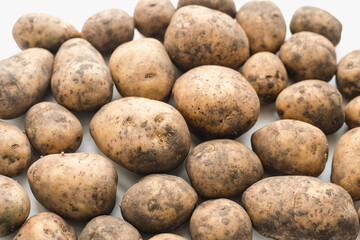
218,67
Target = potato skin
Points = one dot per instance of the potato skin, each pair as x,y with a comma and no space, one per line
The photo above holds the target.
225,6
220,219
24,80
51,129
77,186
301,208
348,75
167,201
199,36
46,225
312,101
352,113
143,68
167,236
222,168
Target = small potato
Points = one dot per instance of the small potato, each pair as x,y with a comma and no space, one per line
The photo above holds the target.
15,150
77,186
220,219
46,226
158,203
222,168
167,236
308,55
316,20
312,101
225,6
266,74
143,68
352,113
108,29
348,75
51,128
43,31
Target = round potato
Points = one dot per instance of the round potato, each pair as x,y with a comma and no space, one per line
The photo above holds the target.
199,36
46,226
15,206
308,55
220,219
312,101
222,168
108,29
302,208
167,236
352,113
225,6
166,202
266,74
216,102
348,74
143,68
51,128
77,186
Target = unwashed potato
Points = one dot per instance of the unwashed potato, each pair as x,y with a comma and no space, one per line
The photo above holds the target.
43,31
108,29
52,128
348,74
167,236
352,113
199,36
158,203
77,186
44,226
143,68
24,80
312,101
216,102
225,6
220,219
301,208
81,80
15,150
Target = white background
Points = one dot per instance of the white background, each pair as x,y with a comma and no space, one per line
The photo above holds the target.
76,12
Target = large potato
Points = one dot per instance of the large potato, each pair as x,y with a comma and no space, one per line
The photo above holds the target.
199,36
348,74
352,113
225,6
301,208
77,186
167,236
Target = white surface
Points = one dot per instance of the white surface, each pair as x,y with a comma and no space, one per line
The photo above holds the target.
76,12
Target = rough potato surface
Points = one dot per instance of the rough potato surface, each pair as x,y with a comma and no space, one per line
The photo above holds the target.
167,236
352,113
348,75
225,6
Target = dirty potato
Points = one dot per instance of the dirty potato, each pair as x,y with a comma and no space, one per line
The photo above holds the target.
352,113
167,236
225,6
348,74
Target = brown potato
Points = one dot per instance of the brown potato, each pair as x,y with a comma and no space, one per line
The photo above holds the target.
51,128
24,80
312,101
222,168
43,31
216,102
108,29
352,113
77,186
143,68
308,55
263,24
166,202
225,6
348,75
266,74
220,219
301,208
167,236
199,36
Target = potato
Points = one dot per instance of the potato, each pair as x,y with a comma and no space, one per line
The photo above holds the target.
142,135
266,74
108,29
24,80
44,226
167,236
15,150
308,55
312,101
225,6
316,20
143,68
109,228
152,17
220,219
216,102
166,202
199,36
222,168
348,75
77,186
301,208
81,80
15,205
51,128
352,113
43,31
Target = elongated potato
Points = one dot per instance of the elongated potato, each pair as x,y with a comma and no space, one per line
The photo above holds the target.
225,6
352,113
348,75
167,236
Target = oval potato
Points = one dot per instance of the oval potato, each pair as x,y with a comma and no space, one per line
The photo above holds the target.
225,6
348,75
167,236
352,113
